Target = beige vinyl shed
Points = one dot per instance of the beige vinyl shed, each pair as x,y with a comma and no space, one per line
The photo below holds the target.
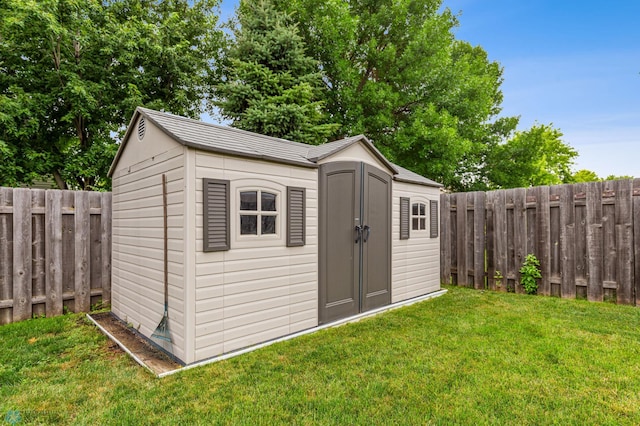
265,237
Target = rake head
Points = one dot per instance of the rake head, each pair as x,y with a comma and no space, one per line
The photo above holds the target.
162,331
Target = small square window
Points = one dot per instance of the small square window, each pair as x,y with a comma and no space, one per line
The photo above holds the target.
248,225
268,202
268,225
249,200
414,210
423,223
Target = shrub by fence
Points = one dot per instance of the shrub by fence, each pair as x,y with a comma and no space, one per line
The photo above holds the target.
586,236
55,252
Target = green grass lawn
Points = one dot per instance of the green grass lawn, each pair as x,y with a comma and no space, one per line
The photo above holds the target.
468,357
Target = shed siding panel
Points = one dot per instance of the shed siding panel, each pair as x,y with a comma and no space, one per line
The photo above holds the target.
415,261
260,289
137,271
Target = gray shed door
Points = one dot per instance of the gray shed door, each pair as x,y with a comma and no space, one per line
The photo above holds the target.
355,239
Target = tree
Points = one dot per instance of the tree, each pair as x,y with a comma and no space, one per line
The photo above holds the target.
585,176
73,71
534,157
394,71
270,85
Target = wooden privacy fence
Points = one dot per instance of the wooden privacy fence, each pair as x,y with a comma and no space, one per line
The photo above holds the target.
55,252
586,236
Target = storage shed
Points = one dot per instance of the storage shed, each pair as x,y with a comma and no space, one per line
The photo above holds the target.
265,237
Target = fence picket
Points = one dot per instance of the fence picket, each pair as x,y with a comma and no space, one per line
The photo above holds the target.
501,234
461,240
22,286
543,242
594,241
479,242
105,222
82,260
53,252
38,269
6,256
636,239
567,241
519,234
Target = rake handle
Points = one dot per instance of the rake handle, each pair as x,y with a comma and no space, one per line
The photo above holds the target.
166,257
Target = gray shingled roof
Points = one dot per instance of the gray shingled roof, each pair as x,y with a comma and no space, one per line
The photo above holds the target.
406,175
228,140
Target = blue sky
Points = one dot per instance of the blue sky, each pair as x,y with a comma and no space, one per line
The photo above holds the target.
575,64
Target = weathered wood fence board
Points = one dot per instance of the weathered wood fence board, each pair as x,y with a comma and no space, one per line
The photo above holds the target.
55,252
586,236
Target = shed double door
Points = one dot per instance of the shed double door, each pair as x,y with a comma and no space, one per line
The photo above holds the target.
354,239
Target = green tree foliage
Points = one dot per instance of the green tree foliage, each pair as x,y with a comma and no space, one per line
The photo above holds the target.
395,72
270,86
72,72
584,175
618,177
534,157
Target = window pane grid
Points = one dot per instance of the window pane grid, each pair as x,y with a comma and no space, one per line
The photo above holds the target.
258,213
418,216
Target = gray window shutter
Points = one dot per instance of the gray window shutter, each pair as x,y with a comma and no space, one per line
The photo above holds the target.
216,214
295,216
404,218
434,218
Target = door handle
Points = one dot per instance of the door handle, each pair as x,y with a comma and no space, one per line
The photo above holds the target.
366,231
358,233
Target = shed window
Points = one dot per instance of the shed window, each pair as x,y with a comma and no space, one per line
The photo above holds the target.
258,213
418,217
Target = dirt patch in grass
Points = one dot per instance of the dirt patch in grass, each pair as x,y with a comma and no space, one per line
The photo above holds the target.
158,361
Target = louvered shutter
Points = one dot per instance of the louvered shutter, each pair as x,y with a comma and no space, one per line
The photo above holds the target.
434,218
216,214
295,216
404,218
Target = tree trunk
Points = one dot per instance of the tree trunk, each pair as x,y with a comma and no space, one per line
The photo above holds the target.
59,181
